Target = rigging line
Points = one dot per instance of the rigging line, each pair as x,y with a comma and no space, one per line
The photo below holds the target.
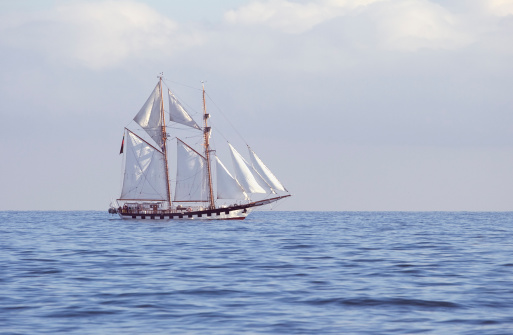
229,122
132,121
181,84
220,133
184,128
189,107
278,204
198,137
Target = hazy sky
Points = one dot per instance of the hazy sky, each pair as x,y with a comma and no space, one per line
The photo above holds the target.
354,104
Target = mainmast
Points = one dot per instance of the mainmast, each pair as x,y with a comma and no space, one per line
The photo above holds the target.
206,135
164,140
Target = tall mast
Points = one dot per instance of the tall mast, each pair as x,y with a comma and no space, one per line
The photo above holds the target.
164,140
206,133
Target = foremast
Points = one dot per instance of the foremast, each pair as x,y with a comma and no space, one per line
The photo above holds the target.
206,137
164,142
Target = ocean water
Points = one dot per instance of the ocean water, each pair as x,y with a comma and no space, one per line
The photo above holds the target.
274,273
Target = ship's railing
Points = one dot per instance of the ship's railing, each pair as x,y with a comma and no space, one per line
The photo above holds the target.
145,211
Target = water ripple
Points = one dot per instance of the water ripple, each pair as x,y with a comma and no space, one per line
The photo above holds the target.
274,273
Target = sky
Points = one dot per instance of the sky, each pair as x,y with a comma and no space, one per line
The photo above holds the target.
355,105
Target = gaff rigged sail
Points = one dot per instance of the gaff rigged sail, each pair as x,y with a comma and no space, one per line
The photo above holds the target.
145,174
191,175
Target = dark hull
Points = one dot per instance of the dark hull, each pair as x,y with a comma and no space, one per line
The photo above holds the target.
238,212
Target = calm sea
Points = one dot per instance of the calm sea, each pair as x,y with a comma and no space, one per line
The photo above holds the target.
274,273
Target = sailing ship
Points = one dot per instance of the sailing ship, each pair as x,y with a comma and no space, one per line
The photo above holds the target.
202,190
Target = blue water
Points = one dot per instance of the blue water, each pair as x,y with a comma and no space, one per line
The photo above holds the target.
274,273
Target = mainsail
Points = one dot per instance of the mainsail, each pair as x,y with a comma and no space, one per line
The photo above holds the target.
191,175
145,175
149,117
178,114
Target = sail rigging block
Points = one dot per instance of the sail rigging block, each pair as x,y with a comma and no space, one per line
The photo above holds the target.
145,175
178,114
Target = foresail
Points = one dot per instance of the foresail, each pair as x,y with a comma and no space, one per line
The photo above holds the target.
149,117
244,175
264,172
178,114
191,175
227,186
145,175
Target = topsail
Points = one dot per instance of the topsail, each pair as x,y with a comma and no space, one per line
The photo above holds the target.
149,117
178,114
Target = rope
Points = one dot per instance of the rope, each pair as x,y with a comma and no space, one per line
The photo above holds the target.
227,119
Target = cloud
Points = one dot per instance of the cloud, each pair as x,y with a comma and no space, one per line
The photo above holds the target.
96,34
501,7
409,25
404,25
107,34
291,17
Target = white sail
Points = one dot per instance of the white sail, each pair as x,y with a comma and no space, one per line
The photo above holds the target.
191,175
264,171
227,186
243,173
145,173
178,114
149,117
